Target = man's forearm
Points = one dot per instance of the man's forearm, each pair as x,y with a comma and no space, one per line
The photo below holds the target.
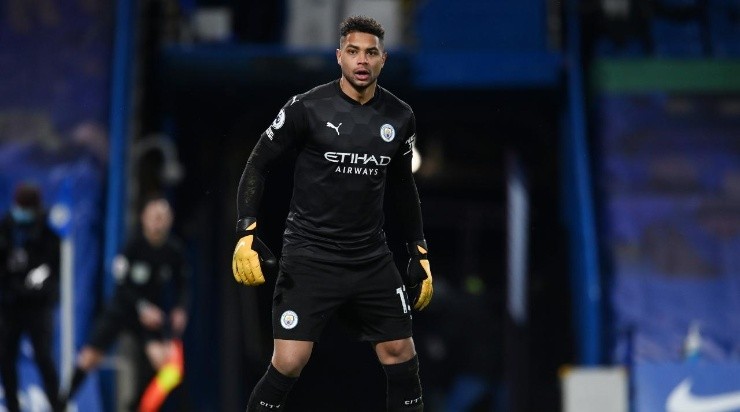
251,184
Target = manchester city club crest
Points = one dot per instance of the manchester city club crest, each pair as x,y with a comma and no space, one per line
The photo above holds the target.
140,273
387,132
289,319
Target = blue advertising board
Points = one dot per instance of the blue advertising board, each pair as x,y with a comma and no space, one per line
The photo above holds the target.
687,387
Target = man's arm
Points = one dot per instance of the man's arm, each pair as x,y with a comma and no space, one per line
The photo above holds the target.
405,196
52,245
252,182
402,189
250,253
280,136
178,314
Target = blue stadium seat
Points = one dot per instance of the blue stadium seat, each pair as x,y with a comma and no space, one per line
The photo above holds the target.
679,3
606,47
724,27
677,38
504,25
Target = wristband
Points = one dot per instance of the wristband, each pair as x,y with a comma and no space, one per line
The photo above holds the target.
418,248
246,226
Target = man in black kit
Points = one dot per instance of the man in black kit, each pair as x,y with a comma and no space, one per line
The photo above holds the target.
353,138
150,300
29,291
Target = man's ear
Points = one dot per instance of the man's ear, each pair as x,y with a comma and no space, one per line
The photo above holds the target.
339,53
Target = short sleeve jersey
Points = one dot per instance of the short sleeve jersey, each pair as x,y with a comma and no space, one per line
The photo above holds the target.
344,149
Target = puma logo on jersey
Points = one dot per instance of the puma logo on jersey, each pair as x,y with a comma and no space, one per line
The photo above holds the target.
329,124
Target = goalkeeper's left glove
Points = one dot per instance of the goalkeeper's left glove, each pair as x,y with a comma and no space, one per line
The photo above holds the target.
418,277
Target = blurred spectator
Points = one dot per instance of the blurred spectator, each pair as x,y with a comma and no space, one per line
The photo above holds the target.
29,291
628,27
23,15
150,300
91,137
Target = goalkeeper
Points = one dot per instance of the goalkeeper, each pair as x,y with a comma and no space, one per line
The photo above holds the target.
354,140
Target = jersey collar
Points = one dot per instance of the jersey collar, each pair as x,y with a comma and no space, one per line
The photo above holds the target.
375,98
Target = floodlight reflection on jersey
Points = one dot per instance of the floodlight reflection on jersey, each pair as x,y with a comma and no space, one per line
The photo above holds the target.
415,160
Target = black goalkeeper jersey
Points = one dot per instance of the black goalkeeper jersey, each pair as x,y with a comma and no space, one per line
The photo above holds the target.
345,150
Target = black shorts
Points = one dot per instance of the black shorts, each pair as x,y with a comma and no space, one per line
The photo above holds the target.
112,322
368,297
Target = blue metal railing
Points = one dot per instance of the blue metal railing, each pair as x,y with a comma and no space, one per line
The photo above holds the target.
121,79
579,205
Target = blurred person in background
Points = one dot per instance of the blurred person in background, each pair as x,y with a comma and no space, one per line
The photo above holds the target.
149,302
29,291
353,139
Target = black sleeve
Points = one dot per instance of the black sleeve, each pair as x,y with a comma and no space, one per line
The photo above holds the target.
402,189
284,132
52,257
253,178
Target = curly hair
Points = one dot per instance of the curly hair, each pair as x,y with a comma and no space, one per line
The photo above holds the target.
362,24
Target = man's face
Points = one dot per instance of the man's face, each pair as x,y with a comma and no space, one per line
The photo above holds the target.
156,221
361,58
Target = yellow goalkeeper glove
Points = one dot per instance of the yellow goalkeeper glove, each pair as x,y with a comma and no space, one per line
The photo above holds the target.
251,256
418,277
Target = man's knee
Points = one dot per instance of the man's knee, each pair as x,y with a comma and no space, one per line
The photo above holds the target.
290,357
290,365
395,351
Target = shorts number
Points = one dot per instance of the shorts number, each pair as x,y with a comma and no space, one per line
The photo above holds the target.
402,295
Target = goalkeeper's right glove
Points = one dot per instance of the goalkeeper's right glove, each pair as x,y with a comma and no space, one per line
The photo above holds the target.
250,255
